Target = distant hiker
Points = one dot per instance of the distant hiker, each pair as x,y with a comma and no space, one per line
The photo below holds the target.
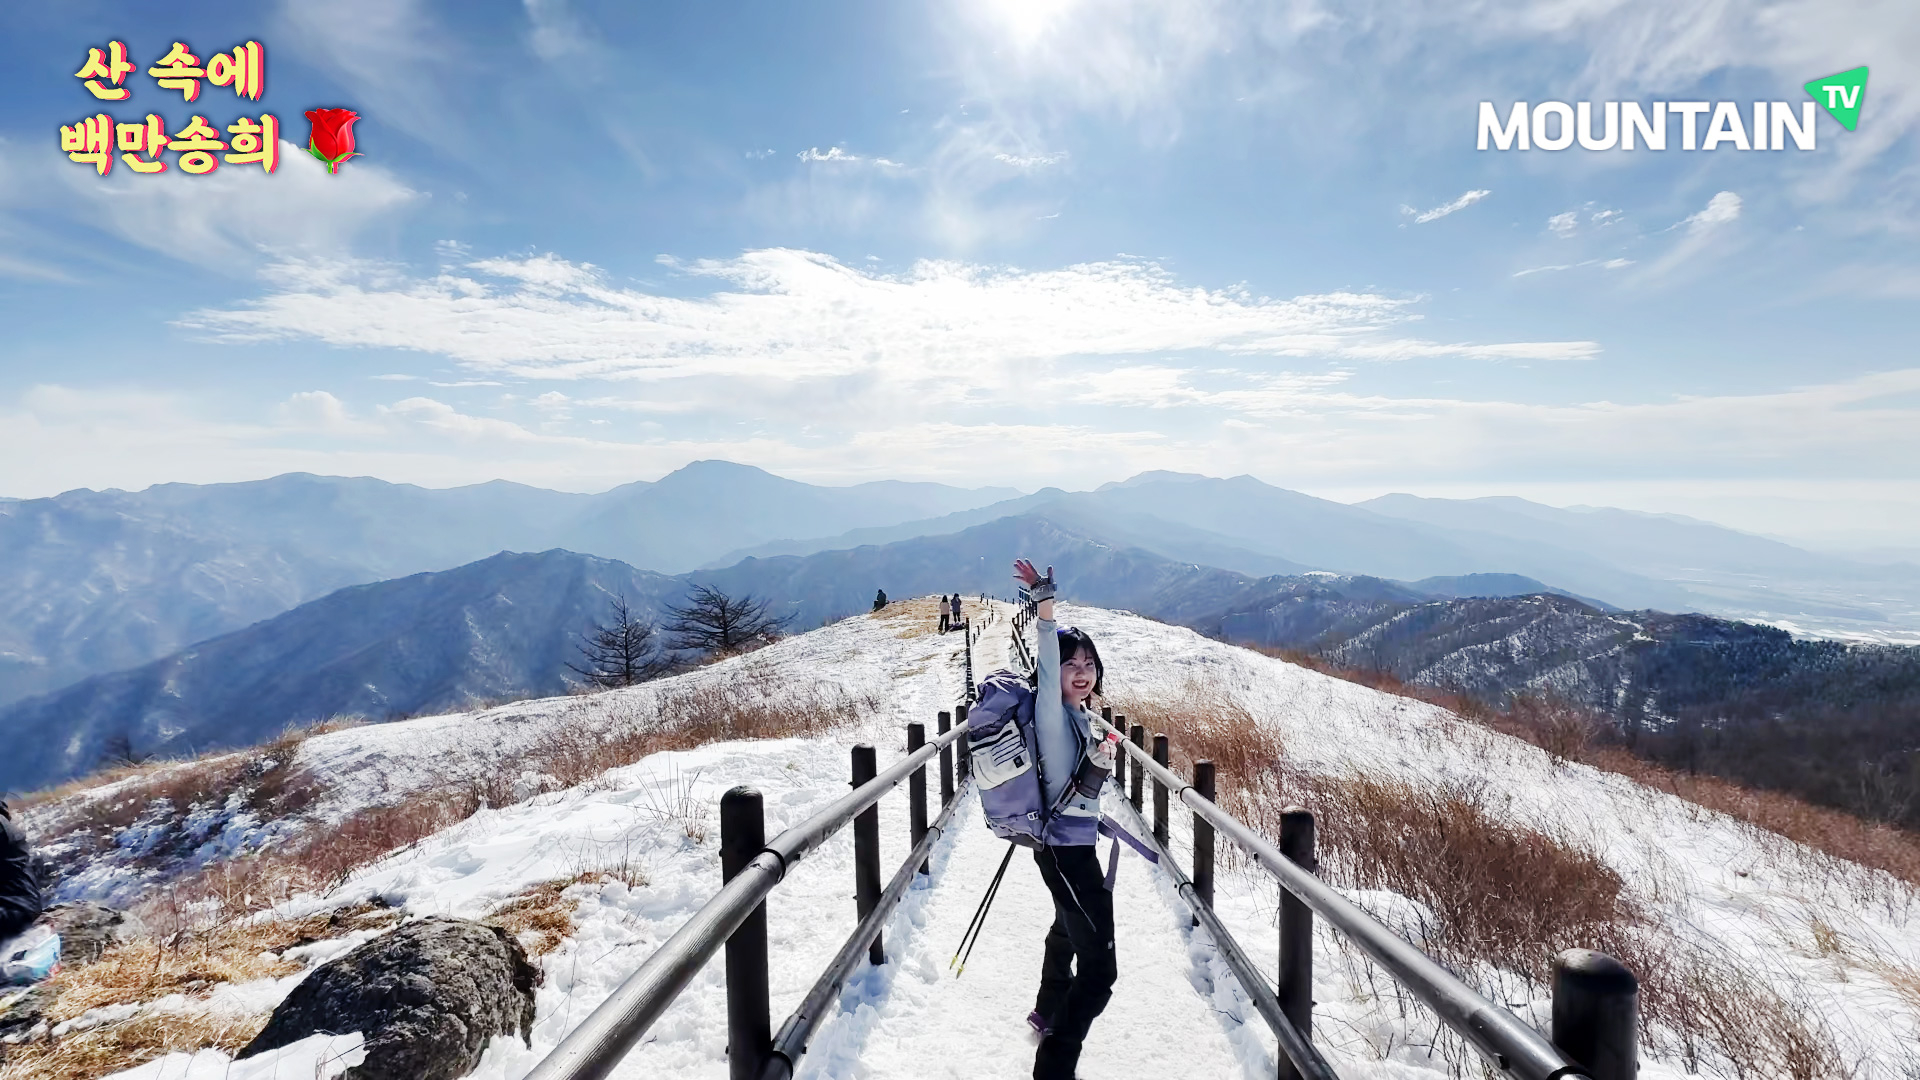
943,613
956,611
20,901
879,599
1040,757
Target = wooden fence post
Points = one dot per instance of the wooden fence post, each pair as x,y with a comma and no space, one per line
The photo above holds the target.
1160,792
1139,734
946,761
1296,932
963,761
866,849
1596,1013
743,835
917,790
1203,838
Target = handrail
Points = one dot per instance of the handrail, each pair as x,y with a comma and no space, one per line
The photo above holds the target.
1293,1042
1499,1036
797,1032
595,1048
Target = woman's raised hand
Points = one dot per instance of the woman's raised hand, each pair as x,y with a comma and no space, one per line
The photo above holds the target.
1026,575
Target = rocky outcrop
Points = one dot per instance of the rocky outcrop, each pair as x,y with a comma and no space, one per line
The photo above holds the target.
427,997
87,929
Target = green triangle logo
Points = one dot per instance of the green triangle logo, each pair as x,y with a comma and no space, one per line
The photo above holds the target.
1841,95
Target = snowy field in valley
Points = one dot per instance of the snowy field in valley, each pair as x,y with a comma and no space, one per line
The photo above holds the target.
1174,1012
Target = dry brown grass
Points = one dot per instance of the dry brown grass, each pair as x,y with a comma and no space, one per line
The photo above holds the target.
200,939
1500,893
1500,897
190,964
763,706
1571,733
96,808
917,617
542,917
573,752
109,1048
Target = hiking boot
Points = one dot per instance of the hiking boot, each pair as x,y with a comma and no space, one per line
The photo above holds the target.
1056,1059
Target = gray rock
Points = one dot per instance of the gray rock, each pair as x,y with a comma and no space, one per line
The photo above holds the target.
23,1010
427,997
86,929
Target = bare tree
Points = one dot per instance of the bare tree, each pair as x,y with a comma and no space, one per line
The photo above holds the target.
622,650
118,751
712,622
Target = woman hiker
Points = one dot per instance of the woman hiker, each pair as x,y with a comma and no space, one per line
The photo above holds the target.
1050,719
943,613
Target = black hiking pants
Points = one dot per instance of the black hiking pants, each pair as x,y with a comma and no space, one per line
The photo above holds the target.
1078,971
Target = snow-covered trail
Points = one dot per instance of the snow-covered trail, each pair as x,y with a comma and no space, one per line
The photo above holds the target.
920,1020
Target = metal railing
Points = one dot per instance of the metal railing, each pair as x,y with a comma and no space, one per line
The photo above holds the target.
968,626
1595,1023
1595,998
736,919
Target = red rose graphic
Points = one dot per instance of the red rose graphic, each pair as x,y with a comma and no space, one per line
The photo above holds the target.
332,137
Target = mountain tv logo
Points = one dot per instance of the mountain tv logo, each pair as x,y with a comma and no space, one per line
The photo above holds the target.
1556,125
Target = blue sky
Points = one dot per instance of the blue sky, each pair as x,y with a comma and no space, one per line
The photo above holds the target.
1043,242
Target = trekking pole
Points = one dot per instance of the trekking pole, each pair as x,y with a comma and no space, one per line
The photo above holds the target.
972,936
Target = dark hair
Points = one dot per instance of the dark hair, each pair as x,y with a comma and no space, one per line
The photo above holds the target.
1074,641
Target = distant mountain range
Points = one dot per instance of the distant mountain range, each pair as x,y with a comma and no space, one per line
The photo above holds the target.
501,627
505,626
1617,557
92,582
1831,721
97,588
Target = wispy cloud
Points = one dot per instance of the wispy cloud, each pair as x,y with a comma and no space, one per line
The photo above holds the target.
1721,209
1327,429
1031,161
1604,264
225,220
1705,230
840,155
1421,217
792,316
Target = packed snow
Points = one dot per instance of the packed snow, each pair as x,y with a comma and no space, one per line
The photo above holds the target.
1176,1011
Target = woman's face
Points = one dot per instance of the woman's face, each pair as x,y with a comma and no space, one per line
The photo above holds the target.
1078,673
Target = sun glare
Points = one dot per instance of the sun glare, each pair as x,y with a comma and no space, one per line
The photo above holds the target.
1025,22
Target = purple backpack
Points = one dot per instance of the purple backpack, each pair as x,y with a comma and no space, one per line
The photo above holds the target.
1006,768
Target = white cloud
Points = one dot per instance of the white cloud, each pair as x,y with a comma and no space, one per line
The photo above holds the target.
1465,200
795,316
1604,264
319,412
399,64
1031,161
1301,430
1705,231
225,220
557,35
1721,209
1155,62
840,155
1563,225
